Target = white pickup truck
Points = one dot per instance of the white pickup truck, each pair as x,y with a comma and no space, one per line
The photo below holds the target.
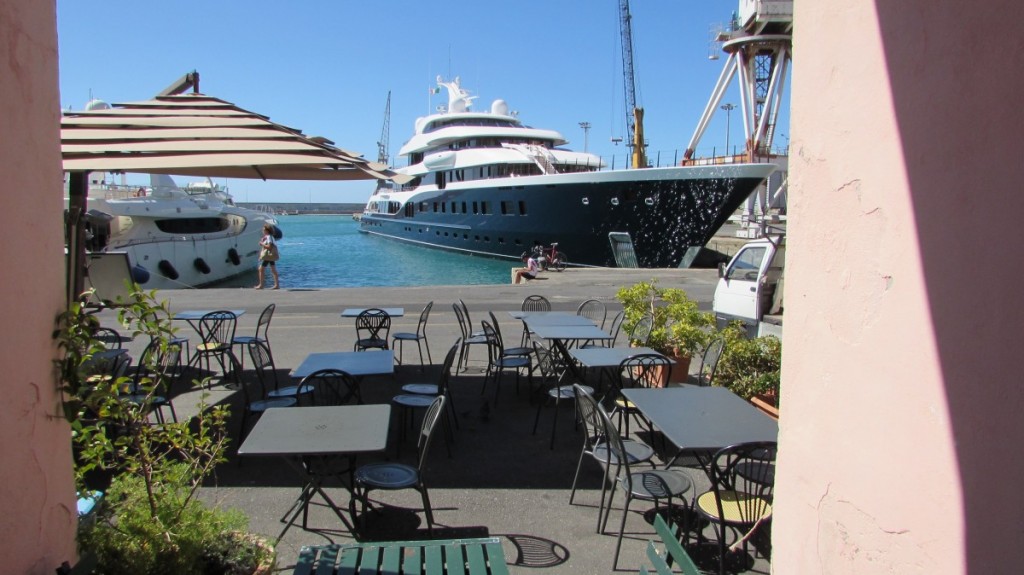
750,287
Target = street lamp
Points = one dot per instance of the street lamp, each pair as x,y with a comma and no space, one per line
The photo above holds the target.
586,134
728,107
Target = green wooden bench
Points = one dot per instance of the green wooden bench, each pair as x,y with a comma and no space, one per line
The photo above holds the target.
482,556
661,562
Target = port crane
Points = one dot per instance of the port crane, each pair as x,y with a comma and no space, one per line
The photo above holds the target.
634,115
385,134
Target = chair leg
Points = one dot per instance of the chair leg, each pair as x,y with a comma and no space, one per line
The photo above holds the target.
427,510
622,529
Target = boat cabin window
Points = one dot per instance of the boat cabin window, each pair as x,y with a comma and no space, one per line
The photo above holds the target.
476,208
485,208
193,225
522,208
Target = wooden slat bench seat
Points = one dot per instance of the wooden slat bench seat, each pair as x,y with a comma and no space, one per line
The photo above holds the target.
480,556
674,553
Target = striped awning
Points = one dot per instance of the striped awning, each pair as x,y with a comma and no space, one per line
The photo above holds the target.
197,135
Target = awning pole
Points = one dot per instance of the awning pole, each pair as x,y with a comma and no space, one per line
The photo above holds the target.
78,191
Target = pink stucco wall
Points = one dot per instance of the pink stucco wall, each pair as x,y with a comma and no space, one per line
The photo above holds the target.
37,495
902,388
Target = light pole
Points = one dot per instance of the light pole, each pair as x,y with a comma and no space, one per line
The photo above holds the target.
586,134
728,107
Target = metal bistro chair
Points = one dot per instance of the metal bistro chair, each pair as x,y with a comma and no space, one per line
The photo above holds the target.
417,396
648,485
594,310
332,387
266,373
548,365
393,476
709,361
156,373
468,337
741,494
256,402
262,329
642,370
595,445
441,387
614,331
372,328
498,362
217,330
532,303
421,335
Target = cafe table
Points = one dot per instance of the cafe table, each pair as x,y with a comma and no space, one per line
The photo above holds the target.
550,318
702,420
354,363
355,311
607,359
308,437
193,316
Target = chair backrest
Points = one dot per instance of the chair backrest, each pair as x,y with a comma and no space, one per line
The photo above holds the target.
589,412
744,474
331,387
594,310
709,360
616,450
446,368
497,330
263,364
547,361
218,327
110,337
157,368
430,419
642,330
459,317
644,370
373,323
421,327
494,347
615,328
263,325
466,316
536,303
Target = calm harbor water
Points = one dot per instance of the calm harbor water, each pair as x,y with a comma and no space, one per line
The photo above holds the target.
329,252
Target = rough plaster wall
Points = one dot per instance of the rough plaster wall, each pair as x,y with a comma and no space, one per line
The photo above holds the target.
865,438
38,519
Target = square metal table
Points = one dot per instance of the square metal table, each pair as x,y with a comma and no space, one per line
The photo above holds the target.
307,433
355,363
550,318
355,311
567,332
702,419
606,359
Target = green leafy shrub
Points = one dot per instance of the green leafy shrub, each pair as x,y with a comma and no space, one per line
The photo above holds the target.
677,325
150,522
749,367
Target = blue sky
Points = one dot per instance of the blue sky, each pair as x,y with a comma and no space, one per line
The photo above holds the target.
326,67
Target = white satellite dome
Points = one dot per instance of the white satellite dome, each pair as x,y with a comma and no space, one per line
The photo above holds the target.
96,104
499,107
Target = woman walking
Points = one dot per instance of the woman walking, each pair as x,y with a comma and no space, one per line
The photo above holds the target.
268,256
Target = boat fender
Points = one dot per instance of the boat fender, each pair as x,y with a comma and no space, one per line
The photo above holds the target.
140,275
278,234
234,257
201,265
167,269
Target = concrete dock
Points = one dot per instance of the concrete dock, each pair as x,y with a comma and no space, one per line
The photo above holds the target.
501,480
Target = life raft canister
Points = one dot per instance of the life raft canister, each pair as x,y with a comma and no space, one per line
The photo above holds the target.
233,256
167,268
201,265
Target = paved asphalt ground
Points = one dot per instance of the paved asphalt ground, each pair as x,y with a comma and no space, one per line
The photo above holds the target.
501,480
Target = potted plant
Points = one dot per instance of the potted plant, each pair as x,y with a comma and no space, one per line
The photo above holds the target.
678,328
751,368
150,520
